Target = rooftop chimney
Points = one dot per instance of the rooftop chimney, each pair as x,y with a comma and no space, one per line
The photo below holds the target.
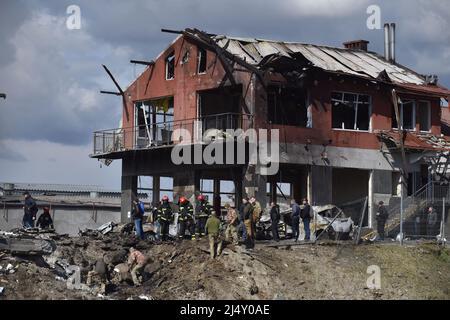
387,36
389,42
357,45
392,42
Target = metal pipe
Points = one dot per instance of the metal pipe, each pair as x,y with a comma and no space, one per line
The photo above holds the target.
392,43
386,41
401,211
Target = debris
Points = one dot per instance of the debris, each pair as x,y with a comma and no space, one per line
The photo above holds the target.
144,297
2,290
106,228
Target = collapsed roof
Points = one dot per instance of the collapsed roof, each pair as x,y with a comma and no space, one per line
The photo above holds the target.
348,61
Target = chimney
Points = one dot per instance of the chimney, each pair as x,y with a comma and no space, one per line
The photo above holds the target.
357,45
387,36
392,42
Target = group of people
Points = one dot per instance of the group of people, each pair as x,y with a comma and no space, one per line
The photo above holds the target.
203,220
31,210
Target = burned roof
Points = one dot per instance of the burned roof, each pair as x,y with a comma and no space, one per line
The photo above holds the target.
340,60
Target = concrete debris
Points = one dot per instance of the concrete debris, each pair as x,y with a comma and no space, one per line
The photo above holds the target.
182,270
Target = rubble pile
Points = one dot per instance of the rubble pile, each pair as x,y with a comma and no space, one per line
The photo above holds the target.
183,270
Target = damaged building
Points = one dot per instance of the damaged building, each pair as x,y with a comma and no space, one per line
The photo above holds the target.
351,122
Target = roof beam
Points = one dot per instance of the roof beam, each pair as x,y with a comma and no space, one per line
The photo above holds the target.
146,63
111,92
124,101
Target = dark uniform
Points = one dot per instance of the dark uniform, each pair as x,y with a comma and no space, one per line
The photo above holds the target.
202,212
165,218
382,216
186,219
30,211
275,218
45,220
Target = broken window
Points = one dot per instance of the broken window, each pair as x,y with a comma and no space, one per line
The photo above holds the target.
424,113
288,106
201,60
407,113
170,66
351,111
154,121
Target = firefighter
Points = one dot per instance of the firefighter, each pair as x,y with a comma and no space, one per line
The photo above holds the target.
202,211
185,218
165,217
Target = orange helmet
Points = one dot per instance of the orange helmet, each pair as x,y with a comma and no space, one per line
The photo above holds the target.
165,198
201,198
183,200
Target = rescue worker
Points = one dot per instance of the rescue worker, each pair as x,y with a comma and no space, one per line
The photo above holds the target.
256,212
213,229
232,224
381,217
137,213
30,210
45,220
202,211
275,218
136,262
165,217
305,214
248,222
295,219
185,218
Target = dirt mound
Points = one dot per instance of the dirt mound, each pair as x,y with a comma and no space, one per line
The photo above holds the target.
183,270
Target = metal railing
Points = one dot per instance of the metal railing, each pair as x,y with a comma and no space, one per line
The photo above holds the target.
158,134
432,194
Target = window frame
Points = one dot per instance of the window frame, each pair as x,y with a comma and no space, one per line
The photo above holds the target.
166,60
401,111
200,50
356,110
428,103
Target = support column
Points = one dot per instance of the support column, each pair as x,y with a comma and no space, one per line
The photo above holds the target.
255,185
320,185
370,203
273,191
129,191
380,189
156,188
185,184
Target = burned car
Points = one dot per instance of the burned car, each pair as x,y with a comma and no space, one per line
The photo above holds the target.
329,222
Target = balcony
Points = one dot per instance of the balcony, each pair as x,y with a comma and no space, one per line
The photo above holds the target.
161,134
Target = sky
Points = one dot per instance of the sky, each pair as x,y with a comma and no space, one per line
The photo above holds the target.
52,75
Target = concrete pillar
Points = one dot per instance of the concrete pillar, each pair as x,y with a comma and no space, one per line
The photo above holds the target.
320,181
129,191
273,191
238,189
255,185
371,205
380,189
156,187
185,184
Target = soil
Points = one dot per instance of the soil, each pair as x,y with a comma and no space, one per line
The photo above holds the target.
184,270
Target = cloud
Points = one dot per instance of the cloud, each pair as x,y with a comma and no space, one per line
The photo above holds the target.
52,75
48,162
9,154
53,82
